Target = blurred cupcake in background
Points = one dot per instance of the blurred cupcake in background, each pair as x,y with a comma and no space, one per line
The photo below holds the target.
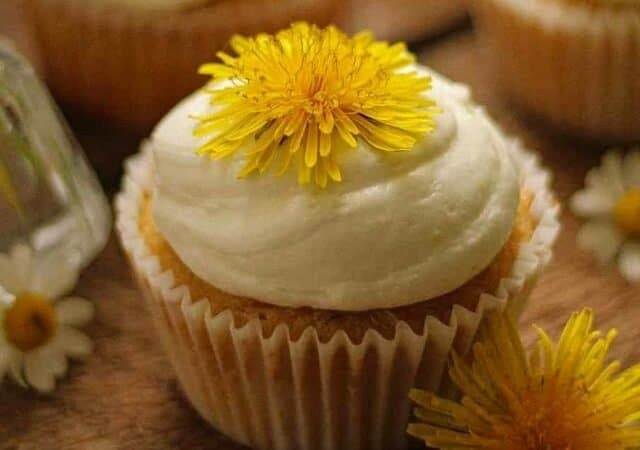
406,20
574,62
130,61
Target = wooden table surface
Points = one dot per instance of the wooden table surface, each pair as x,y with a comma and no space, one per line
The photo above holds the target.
125,396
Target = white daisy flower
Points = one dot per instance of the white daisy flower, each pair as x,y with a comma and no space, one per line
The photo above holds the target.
611,203
38,333
50,274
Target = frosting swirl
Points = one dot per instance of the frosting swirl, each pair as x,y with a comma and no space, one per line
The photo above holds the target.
401,227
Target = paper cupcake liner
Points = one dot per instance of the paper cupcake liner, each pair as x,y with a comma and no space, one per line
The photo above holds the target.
576,65
132,66
274,392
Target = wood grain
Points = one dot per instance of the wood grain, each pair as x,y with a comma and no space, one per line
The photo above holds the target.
125,395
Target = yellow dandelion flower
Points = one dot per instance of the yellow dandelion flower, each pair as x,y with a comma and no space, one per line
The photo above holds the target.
564,396
305,95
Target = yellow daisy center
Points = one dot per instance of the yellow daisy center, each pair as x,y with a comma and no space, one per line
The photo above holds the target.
627,212
305,95
30,322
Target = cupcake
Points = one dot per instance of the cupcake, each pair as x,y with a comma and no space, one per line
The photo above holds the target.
131,61
573,62
319,228
412,21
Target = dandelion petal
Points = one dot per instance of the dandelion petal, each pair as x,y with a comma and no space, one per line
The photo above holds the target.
313,85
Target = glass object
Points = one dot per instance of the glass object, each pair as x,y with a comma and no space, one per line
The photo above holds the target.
49,197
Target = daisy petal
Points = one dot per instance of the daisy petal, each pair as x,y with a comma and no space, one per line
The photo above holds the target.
632,170
611,171
39,372
54,276
5,359
57,360
629,261
22,265
75,311
15,367
592,203
74,343
8,278
602,239
6,298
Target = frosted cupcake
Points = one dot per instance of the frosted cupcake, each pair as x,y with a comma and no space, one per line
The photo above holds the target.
412,21
130,61
573,62
319,228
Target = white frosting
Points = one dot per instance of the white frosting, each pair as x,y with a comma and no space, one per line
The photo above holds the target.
401,228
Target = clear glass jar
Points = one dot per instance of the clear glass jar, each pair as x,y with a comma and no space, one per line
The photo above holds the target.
49,197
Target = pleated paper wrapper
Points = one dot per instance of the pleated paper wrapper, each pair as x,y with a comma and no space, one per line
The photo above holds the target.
131,65
575,65
273,392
